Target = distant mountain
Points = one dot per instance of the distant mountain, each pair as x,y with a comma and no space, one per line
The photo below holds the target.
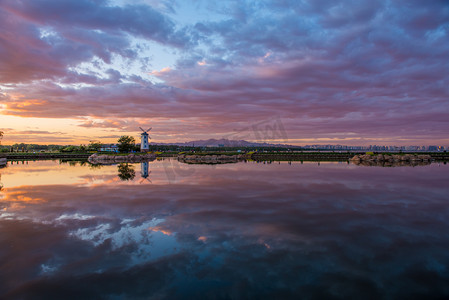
224,143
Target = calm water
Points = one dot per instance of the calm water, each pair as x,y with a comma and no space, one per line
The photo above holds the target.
167,230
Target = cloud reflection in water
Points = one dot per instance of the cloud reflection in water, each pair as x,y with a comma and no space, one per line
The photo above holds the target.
243,230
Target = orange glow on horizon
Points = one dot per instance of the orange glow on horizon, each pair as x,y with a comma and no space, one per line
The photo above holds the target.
160,229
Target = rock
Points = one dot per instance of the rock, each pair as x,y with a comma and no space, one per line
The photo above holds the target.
109,159
414,158
388,158
425,157
391,160
211,159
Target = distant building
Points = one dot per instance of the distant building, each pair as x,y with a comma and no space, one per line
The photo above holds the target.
375,148
109,148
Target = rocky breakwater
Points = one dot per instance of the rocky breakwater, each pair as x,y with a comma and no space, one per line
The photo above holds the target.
393,160
211,159
111,159
3,161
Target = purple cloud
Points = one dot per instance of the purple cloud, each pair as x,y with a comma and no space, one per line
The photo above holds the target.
347,69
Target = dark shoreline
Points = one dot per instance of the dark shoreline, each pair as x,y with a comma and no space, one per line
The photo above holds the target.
303,156
32,156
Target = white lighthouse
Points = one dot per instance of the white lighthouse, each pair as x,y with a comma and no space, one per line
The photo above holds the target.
144,145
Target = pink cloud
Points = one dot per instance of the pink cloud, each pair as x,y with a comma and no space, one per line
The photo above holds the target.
363,71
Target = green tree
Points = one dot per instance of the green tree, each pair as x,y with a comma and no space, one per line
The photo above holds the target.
69,149
125,143
94,146
126,172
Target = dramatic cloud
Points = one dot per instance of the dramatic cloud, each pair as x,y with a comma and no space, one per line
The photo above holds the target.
350,70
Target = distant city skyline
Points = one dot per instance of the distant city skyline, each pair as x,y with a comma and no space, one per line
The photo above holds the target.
355,73
244,144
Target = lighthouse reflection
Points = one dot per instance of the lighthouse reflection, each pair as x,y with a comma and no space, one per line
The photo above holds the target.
126,172
144,167
144,171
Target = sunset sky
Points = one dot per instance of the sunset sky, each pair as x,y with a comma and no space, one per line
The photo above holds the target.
330,72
